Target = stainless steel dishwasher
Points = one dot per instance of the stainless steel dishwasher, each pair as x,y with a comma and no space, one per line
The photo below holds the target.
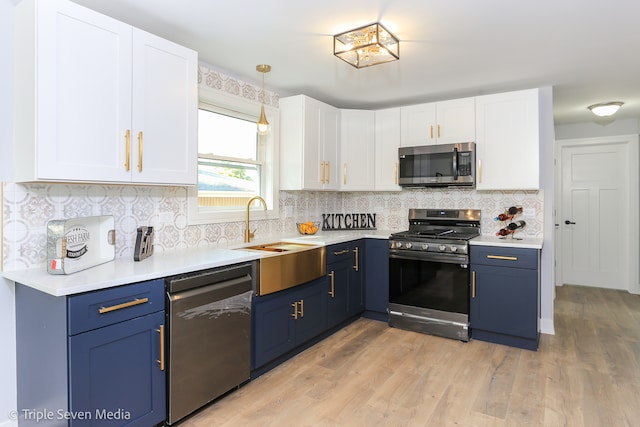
208,336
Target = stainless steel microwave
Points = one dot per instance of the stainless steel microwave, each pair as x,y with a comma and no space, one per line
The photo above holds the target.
445,165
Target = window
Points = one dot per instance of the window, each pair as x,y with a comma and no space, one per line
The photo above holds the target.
234,162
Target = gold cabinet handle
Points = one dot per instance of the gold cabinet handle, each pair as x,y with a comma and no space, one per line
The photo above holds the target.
480,170
328,164
160,361
137,301
127,160
506,258
332,292
322,172
431,131
140,151
342,252
344,174
473,284
438,131
295,310
357,266
395,172
301,308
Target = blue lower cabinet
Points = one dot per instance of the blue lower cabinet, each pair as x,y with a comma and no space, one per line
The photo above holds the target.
345,273
92,359
377,278
505,296
114,375
286,319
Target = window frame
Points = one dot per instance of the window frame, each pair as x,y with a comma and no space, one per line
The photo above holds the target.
225,103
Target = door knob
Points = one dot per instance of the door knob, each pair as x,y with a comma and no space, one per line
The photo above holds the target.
569,222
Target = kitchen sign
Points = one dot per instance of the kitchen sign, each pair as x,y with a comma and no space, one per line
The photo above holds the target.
352,221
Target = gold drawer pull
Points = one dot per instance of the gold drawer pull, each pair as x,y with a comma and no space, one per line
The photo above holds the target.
295,310
342,252
506,258
357,266
473,284
333,284
137,301
301,312
160,361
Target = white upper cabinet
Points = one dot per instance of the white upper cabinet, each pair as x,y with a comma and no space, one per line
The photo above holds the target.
358,150
309,144
101,101
387,141
507,141
438,123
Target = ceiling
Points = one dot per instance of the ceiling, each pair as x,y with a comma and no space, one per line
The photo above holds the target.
588,50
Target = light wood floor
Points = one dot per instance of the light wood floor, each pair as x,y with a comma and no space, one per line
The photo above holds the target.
368,374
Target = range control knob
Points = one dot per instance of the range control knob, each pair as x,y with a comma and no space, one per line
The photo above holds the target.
454,249
397,244
408,245
425,246
442,248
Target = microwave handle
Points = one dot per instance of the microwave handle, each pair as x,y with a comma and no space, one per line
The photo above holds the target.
455,164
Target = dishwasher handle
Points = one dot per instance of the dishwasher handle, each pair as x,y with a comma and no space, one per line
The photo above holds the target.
216,291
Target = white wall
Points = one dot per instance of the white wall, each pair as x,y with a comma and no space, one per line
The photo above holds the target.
7,306
610,127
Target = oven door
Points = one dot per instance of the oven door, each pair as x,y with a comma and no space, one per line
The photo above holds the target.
430,295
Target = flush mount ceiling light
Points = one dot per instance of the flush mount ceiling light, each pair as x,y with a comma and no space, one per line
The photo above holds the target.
605,109
263,124
363,47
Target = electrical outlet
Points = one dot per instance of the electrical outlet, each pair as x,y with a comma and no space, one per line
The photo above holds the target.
529,212
165,217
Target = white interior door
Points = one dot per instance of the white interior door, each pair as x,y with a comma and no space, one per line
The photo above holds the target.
595,217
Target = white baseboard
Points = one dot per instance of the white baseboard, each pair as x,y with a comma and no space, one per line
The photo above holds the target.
546,327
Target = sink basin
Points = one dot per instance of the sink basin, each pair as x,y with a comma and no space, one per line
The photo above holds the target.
280,247
292,264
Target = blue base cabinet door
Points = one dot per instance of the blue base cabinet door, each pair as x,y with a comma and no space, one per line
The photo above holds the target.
286,320
338,291
116,377
377,277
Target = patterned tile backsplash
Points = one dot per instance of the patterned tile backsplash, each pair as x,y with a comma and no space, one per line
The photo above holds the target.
28,207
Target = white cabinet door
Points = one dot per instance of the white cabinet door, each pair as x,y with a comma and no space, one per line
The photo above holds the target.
309,144
91,91
79,96
438,123
507,141
165,105
418,125
387,141
456,121
357,142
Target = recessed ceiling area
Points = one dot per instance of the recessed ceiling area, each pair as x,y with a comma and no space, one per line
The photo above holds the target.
586,49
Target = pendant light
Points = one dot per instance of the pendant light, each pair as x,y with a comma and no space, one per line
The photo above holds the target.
263,124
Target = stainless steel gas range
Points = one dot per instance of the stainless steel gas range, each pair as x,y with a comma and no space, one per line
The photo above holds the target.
429,272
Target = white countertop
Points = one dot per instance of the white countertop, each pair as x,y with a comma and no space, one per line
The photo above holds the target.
525,242
122,271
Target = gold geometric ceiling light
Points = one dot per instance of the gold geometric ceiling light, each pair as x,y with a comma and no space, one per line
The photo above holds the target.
366,46
263,124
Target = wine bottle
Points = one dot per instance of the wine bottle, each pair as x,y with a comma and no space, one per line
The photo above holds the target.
503,217
514,210
516,225
504,232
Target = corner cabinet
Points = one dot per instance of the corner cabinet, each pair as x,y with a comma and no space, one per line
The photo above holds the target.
505,295
287,319
438,123
92,359
101,101
508,141
309,144
357,149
